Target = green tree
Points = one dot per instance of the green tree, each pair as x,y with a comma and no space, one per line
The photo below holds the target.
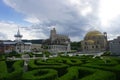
76,46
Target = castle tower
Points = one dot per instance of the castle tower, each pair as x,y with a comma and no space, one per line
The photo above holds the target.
18,36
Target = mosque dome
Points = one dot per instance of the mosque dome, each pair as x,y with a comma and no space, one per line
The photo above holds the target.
93,34
90,42
94,42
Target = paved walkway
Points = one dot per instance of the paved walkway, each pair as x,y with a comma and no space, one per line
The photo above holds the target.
13,58
44,58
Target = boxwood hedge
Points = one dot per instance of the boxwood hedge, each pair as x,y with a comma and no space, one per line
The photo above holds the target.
40,74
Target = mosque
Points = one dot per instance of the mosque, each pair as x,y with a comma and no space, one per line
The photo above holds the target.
94,42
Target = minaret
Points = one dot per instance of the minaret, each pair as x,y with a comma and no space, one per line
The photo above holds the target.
105,34
107,46
18,36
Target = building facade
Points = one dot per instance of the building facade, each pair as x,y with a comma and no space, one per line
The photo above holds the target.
58,43
94,42
17,45
36,44
114,46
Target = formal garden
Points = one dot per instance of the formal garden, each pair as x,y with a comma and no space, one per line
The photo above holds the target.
62,68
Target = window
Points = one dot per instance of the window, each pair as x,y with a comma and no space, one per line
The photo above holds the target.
96,46
85,43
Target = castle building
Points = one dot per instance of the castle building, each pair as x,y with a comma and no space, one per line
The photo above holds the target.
115,46
17,45
58,43
36,44
94,42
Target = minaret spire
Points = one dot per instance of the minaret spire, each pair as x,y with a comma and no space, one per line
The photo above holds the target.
18,31
18,36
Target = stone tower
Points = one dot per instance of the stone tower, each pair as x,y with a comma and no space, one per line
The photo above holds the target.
53,34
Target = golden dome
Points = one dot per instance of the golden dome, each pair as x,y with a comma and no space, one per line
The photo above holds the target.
92,34
90,41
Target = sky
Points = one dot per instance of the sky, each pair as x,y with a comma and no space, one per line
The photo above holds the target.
35,18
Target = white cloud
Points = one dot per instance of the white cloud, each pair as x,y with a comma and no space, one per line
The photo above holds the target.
56,10
86,11
69,16
75,17
108,10
33,20
8,30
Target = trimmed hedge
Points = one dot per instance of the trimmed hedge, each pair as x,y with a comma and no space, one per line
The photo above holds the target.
61,68
115,69
3,70
72,74
40,74
2,57
83,73
97,74
65,60
10,66
18,71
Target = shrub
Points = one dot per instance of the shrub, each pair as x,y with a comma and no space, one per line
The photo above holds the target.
72,74
61,68
114,69
18,71
10,66
95,74
3,70
40,74
2,57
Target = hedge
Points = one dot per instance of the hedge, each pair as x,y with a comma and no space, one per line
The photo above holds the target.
3,70
65,60
18,71
115,69
61,68
40,74
10,66
97,74
83,73
2,57
72,74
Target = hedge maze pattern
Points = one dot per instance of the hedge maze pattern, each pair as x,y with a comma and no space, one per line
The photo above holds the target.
62,68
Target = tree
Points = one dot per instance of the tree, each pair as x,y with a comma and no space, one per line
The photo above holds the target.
76,46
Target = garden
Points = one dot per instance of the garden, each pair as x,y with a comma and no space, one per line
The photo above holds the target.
62,68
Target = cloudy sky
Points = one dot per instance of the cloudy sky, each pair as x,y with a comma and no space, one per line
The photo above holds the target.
75,18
